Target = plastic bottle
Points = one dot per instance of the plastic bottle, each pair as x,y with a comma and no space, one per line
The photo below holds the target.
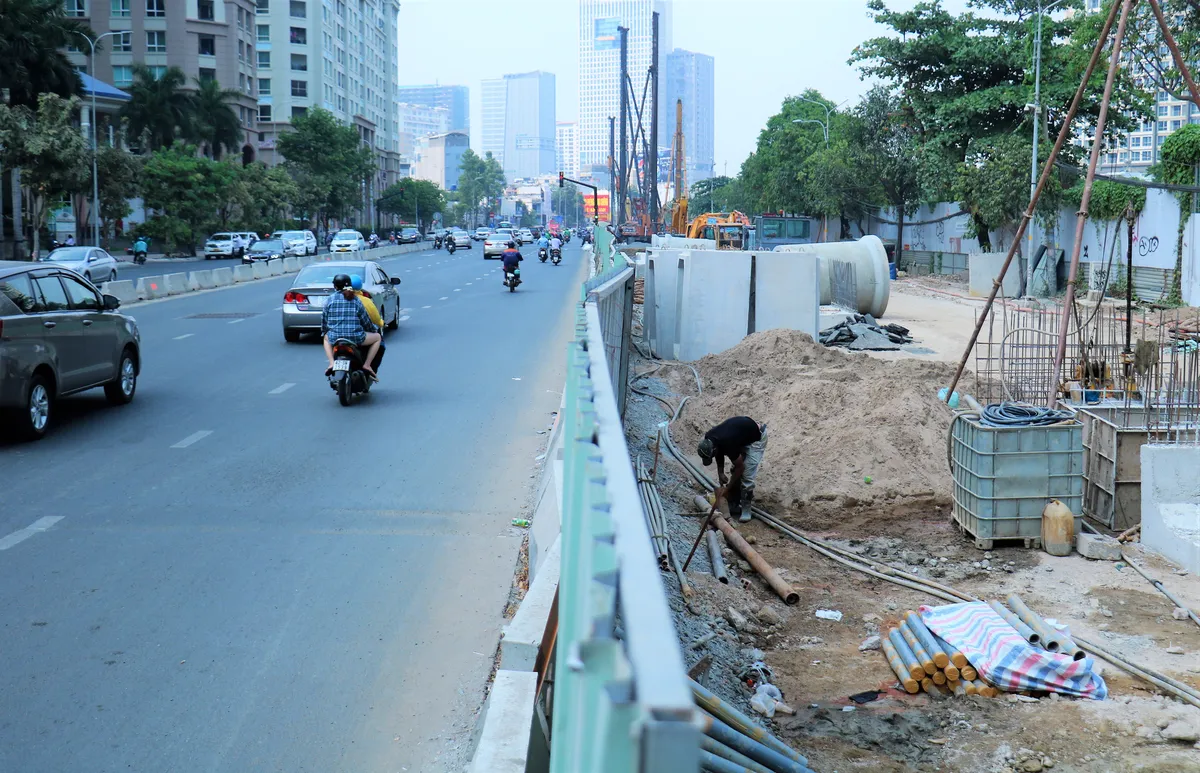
1058,529
953,398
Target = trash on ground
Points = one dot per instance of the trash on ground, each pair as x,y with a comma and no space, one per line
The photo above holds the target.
521,522
829,614
860,332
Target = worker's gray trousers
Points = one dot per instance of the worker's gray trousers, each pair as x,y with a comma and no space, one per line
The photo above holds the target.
754,456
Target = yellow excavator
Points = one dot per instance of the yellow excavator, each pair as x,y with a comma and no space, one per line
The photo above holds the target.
728,229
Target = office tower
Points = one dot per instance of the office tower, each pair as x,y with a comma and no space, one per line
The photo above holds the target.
518,123
456,99
689,77
567,148
439,158
495,96
417,121
600,66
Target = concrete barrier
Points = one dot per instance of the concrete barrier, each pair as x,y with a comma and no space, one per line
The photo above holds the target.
982,270
507,722
714,307
522,638
259,269
1171,502
244,273
664,272
291,265
150,287
222,277
123,290
306,260
176,284
787,292
201,280
275,267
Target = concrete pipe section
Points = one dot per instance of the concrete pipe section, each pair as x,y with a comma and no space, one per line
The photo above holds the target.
870,262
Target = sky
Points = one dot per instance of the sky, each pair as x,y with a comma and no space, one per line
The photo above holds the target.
764,50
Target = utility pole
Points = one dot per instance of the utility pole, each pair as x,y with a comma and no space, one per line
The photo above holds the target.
623,161
1037,115
95,130
652,165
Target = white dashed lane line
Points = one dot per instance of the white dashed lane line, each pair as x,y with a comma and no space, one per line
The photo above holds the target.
235,321
195,437
185,335
19,536
405,318
444,298
281,389
426,307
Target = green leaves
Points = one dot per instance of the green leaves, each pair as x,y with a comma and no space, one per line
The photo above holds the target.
411,197
329,162
187,190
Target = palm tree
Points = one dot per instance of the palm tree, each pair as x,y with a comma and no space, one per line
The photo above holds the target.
216,124
159,109
33,36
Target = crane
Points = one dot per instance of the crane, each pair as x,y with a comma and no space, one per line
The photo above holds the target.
679,207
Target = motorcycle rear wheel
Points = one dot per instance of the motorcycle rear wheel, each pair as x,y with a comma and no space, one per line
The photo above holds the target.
345,390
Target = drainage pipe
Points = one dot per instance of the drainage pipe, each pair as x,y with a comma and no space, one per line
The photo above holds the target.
940,658
713,704
901,670
1050,639
739,760
716,559
715,728
711,763
923,657
738,543
1027,633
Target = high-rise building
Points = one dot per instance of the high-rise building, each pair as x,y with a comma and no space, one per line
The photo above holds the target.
439,158
689,77
495,97
518,123
456,99
417,121
567,153
600,66
206,39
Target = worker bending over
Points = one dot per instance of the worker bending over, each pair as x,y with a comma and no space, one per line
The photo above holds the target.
742,440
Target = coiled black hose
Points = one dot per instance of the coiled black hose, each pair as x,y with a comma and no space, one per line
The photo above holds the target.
1021,415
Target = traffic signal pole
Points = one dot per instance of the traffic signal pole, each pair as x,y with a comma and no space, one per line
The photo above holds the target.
595,195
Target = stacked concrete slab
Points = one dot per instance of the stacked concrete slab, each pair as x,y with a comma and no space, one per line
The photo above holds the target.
1171,502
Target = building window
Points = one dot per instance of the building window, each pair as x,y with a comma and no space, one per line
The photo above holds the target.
264,33
156,8
158,70
263,8
264,60
341,9
207,74
207,44
156,42
264,113
300,62
1176,109
122,75
205,10
299,88
120,8
298,35
264,87
1162,127
123,43
242,48
76,8
299,111
298,9
1162,109
1175,125
1135,142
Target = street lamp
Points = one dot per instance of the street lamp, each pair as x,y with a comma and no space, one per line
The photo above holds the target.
1037,114
823,124
95,130
827,109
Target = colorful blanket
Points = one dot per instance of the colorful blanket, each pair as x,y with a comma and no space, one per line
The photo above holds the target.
1005,659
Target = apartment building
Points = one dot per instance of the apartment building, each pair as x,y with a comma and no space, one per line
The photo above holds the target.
567,147
417,121
456,99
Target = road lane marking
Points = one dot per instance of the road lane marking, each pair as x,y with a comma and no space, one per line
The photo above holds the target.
185,335
470,283
281,389
405,318
235,321
17,537
278,308
193,438
444,298
426,307
457,290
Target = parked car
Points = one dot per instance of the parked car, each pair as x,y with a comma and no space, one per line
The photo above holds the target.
481,233
461,239
226,245
298,243
93,263
408,236
304,301
59,336
347,240
264,249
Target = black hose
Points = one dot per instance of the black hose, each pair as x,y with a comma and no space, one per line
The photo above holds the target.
1008,414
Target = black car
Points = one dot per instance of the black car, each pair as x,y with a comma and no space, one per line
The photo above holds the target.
408,236
264,249
537,231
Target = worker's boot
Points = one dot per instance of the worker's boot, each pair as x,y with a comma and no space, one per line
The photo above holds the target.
747,503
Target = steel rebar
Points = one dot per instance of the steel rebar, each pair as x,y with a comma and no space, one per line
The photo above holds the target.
1162,589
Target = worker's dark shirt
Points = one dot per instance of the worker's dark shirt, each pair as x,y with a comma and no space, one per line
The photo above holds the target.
731,437
511,258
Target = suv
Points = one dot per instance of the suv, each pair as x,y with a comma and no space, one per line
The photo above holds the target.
225,245
59,336
481,233
297,243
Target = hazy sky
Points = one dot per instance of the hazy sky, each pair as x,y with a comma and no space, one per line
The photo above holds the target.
764,51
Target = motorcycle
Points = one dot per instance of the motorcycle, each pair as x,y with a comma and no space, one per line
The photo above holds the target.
348,378
139,257
450,245
373,242
437,242
542,255
512,279
555,256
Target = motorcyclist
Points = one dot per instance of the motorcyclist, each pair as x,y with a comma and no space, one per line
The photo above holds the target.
511,257
345,316
437,240
356,282
373,240
556,243
140,248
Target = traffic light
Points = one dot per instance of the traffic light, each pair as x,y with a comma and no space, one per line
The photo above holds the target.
560,179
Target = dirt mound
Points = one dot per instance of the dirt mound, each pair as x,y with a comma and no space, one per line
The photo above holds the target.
835,419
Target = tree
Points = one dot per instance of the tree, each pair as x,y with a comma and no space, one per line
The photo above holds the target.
838,178
186,190
329,162
470,183
159,110
50,152
993,186
411,197
1179,165
119,172
567,201
267,198
492,180
774,170
1153,68
216,126
33,44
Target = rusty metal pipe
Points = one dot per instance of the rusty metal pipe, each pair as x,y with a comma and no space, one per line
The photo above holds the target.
738,543
713,704
718,749
715,728
1180,62
1050,638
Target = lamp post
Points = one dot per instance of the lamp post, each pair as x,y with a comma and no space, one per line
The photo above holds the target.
95,130
1037,114
825,127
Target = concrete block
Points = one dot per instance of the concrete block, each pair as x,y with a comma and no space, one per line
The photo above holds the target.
201,280
664,282
275,267
1171,502
222,277
244,273
306,260
507,723
522,638
260,269
984,267
176,284
150,287
714,302
1098,547
292,265
787,292
123,289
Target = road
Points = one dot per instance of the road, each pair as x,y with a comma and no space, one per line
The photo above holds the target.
247,576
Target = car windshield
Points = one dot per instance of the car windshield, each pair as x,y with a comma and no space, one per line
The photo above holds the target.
347,235
409,231
323,273
289,235
68,254
220,237
271,245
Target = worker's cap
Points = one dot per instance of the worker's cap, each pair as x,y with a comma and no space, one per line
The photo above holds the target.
706,450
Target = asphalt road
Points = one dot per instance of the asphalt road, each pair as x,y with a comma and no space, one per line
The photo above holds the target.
245,575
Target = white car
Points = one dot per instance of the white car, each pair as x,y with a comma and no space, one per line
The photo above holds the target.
225,245
298,243
526,236
92,263
347,241
496,244
481,234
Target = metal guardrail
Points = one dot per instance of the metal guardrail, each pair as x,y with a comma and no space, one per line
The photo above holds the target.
620,705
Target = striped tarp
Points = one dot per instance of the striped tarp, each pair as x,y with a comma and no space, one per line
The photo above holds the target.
1003,657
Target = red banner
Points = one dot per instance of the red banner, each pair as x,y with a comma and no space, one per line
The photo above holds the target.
601,202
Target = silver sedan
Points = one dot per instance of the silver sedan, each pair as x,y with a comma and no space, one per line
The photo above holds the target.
93,263
304,302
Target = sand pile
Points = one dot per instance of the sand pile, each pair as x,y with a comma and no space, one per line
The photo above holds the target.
834,419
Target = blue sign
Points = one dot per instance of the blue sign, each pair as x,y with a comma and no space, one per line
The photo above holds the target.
607,37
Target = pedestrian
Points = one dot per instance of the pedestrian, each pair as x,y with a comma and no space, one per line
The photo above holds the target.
70,240
742,440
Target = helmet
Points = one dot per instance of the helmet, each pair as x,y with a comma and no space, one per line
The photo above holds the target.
356,281
512,245
341,282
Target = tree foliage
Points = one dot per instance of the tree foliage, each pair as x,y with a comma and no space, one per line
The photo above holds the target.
216,127
119,174
186,191
993,187
329,162
34,37
159,110
266,201
412,198
480,183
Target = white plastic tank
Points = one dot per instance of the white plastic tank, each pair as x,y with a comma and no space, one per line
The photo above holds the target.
870,270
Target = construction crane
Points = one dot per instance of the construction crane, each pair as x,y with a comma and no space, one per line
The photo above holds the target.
679,207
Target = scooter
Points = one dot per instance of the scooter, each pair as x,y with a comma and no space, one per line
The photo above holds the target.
512,279
373,241
542,254
139,258
450,246
555,256
348,378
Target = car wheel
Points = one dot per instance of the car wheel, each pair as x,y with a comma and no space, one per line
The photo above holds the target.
395,323
291,336
34,419
120,391
112,277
